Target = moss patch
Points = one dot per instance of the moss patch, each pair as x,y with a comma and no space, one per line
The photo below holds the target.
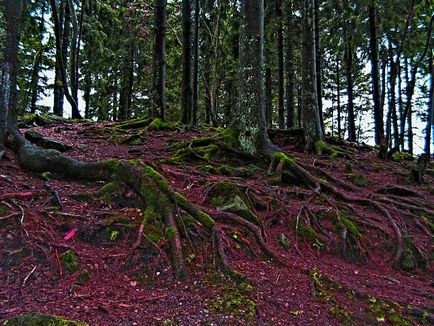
227,196
306,232
38,319
359,179
4,210
69,261
402,156
322,148
411,258
234,299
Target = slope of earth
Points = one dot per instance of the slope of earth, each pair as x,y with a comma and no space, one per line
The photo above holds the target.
63,254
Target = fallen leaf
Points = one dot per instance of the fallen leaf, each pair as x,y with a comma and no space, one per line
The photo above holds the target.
70,234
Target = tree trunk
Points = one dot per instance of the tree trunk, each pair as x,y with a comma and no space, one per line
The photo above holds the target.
250,120
64,21
348,30
195,108
187,87
290,70
378,114
430,109
269,97
127,76
73,59
281,94
407,115
318,63
60,55
412,79
338,86
11,10
159,77
311,121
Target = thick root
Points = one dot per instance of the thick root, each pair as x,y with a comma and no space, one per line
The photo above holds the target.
159,200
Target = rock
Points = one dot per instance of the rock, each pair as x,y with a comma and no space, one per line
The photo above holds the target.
284,241
46,142
230,197
38,319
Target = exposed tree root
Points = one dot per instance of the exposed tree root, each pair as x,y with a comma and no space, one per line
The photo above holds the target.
289,171
160,201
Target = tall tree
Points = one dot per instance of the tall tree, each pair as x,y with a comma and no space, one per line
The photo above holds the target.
250,118
64,28
10,20
62,64
348,58
159,77
187,87
280,64
290,70
430,109
311,120
378,114
195,104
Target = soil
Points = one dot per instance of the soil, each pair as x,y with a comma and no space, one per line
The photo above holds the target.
113,286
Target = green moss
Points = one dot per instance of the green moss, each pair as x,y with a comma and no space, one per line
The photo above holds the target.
283,158
234,299
411,257
200,216
84,277
38,319
322,148
154,233
69,261
134,124
402,156
158,124
4,210
306,232
170,233
227,196
359,179
386,312
230,137
284,241
110,190
195,153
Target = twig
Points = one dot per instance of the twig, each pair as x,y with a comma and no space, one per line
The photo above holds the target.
9,216
58,262
28,275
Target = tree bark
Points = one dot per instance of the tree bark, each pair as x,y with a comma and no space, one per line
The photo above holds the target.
187,87
338,86
195,106
318,56
348,30
11,10
127,75
160,63
250,120
290,70
430,109
60,58
280,64
311,121
378,114
64,22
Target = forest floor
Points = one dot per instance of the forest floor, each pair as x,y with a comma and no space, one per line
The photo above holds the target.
112,286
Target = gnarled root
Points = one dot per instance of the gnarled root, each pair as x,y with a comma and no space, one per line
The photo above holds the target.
160,201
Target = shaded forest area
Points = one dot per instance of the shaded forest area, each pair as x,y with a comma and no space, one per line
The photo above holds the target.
205,162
